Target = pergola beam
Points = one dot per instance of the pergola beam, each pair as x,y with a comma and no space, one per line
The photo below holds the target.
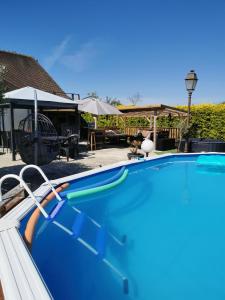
148,110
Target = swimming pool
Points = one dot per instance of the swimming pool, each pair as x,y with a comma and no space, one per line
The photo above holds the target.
164,230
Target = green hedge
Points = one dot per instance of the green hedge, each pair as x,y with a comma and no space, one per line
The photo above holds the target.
208,121
114,121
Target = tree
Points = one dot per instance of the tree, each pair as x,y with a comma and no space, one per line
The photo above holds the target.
112,101
93,94
135,98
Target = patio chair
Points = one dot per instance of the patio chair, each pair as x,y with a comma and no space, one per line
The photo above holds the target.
70,147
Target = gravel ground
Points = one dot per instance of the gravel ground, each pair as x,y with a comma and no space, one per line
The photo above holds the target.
61,168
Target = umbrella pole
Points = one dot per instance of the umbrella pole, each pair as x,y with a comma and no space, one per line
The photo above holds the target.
96,124
35,129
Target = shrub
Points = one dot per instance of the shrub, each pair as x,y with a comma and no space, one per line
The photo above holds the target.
207,121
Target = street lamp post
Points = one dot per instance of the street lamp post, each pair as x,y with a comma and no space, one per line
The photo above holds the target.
190,81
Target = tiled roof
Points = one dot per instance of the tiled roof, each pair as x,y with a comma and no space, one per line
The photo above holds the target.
22,70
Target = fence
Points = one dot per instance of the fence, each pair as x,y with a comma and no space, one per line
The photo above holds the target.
174,133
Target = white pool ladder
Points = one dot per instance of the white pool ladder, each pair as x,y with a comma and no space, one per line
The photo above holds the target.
23,184
43,175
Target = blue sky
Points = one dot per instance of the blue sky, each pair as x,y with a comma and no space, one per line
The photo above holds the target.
120,47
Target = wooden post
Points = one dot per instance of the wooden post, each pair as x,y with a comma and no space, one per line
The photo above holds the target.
96,124
122,119
151,121
12,136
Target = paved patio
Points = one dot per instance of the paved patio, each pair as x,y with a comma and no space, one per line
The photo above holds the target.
61,168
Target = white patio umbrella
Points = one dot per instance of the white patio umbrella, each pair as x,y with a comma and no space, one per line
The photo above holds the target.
97,108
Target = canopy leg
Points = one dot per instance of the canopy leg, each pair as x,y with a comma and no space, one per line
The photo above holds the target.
12,142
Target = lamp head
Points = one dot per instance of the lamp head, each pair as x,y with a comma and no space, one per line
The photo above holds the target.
191,81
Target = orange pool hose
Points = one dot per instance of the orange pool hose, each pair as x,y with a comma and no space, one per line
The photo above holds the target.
31,224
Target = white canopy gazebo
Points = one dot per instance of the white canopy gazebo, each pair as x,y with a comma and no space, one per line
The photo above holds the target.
27,94
25,98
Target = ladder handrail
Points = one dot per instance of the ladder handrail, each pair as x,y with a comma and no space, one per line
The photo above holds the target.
43,175
22,183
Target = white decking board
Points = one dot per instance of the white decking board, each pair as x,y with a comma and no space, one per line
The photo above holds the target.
20,278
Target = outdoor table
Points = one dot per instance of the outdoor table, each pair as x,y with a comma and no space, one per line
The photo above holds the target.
54,138
116,138
60,138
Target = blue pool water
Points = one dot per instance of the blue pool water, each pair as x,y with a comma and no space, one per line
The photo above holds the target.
172,213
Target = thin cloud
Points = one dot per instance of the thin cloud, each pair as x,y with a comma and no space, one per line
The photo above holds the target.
57,53
77,60
81,59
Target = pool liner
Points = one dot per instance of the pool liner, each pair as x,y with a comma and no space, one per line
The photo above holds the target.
77,225
101,242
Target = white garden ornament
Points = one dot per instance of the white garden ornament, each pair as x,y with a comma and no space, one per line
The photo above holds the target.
147,146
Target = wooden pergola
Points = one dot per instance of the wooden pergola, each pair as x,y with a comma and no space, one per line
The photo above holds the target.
151,113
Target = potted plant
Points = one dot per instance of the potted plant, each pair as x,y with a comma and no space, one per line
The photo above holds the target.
135,144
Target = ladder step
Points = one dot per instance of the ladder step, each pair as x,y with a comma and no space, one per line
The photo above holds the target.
77,225
125,286
56,209
101,242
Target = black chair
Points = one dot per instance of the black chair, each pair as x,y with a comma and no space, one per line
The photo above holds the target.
70,147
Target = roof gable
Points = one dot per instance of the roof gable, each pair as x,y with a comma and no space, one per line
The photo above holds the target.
22,70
